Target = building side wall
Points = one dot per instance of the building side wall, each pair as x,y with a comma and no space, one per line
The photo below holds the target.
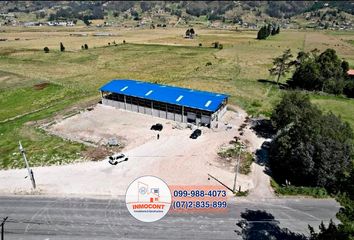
172,112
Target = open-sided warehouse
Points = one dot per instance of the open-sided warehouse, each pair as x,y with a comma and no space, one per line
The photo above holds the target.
174,103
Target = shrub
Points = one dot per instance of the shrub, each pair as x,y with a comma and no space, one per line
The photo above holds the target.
215,44
349,88
124,41
221,46
246,158
46,49
246,162
256,103
317,192
242,193
86,46
62,48
200,45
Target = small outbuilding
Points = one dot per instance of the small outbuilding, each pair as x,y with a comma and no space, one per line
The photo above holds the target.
175,103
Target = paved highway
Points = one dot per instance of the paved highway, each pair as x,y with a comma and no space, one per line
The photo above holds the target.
33,217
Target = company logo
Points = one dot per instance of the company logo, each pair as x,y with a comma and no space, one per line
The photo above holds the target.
148,198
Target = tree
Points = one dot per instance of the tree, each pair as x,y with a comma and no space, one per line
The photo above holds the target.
310,148
216,44
135,15
262,33
188,32
145,6
282,64
291,108
62,48
86,20
274,31
278,30
330,64
345,67
86,46
331,232
46,49
307,76
349,88
269,30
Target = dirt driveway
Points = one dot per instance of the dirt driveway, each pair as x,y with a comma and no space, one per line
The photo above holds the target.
174,157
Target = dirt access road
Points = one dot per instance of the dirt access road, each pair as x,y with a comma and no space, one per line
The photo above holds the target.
174,157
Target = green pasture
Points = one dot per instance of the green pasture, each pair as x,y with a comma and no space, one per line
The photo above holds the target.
240,69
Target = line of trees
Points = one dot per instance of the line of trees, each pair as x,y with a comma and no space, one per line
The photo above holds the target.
268,30
62,48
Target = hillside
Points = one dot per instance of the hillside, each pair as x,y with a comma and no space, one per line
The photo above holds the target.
251,14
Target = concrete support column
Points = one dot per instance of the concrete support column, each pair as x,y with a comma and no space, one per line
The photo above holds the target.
125,102
182,113
166,111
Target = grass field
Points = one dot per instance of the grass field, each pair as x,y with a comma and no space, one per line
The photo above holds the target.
163,55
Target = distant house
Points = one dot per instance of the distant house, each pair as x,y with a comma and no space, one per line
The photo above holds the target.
61,23
32,24
70,23
351,73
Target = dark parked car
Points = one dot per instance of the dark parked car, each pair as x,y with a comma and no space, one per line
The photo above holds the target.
157,127
266,145
196,133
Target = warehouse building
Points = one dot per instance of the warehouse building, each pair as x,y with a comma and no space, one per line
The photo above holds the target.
179,104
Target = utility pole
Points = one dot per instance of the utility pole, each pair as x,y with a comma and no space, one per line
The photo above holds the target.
237,168
30,172
2,228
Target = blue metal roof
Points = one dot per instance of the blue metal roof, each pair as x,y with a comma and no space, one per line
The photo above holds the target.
174,95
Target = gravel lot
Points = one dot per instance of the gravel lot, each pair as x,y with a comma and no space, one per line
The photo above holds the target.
175,157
